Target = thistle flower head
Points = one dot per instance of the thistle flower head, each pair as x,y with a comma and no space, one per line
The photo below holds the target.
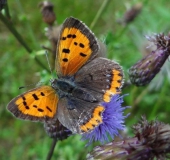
147,68
113,122
56,130
152,140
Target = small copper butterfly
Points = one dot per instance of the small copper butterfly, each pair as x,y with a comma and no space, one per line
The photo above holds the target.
84,81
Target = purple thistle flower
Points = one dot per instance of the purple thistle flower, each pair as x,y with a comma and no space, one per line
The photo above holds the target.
113,122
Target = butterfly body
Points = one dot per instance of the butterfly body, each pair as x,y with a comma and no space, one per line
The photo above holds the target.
67,88
85,80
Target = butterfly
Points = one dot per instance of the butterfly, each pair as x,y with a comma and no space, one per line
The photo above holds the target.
85,80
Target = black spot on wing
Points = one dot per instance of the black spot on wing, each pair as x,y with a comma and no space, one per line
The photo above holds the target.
65,60
40,110
81,45
73,36
27,107
42,94
35,96
69,36
66,50
48,108
35,106
23,98
24,103
119,81
63,38
82,54
75,43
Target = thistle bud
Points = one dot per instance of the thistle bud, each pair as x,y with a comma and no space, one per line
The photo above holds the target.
131,14
47,12
151,140
146,69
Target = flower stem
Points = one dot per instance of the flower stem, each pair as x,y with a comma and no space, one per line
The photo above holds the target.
124,29
100,11
159,101
10,26
50,153
28,26
14,31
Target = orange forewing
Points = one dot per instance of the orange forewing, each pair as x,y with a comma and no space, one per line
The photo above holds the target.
37,104
78,46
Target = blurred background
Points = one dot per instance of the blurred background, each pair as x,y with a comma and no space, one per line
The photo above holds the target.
121,25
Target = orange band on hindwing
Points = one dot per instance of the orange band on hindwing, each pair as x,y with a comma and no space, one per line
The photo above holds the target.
115,85
95,120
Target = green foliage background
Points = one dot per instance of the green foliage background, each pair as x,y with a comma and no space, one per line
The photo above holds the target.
126,44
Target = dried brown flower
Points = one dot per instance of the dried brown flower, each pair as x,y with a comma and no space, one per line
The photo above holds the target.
151,141
47,12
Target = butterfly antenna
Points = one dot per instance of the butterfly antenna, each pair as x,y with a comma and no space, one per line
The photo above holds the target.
33,84
46,54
